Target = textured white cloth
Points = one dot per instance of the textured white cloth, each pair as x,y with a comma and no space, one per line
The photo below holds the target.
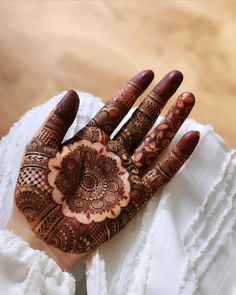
25,271
184,244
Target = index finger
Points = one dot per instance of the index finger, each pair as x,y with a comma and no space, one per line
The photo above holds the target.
109,117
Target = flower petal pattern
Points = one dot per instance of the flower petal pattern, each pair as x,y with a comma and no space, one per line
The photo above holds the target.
89,182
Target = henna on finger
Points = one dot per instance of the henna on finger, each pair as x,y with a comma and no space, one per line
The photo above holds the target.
144,117
92,134
158,176
56,125
109,117
153,145
78,195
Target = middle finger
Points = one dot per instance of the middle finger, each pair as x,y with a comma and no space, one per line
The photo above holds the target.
133,132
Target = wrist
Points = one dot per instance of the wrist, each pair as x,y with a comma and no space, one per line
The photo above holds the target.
18,225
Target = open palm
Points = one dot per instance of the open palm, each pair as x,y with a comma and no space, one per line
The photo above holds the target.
76,195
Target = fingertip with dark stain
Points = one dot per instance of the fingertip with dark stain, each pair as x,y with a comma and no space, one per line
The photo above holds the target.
168,84
68,106
143,79
187,97
188,142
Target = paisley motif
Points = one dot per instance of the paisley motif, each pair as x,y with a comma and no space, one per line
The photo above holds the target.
77,194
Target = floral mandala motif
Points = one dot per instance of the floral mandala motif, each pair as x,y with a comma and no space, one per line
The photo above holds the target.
89,182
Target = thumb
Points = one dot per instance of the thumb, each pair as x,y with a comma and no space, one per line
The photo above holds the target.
59,120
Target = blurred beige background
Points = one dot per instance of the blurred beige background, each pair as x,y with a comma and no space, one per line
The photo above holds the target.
95,46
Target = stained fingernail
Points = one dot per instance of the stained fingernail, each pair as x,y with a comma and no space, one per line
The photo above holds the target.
188,97
143,79
168,84
69,100
68,106
188,142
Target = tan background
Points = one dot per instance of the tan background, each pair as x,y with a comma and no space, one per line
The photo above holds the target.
50,46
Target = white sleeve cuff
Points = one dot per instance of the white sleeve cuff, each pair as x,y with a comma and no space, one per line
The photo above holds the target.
26,271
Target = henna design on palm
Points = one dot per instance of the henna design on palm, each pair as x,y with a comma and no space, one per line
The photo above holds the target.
78,194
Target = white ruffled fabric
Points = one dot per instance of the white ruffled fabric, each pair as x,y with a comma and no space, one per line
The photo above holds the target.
182,244
25,271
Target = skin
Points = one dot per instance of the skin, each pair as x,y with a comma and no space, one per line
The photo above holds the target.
73,196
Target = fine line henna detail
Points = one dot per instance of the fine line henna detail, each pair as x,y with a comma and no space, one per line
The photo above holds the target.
109,117
53,130
79,194
89,182
81,187
163,171
153,145
143,118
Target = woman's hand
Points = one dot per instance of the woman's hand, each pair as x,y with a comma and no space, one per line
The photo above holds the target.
78,194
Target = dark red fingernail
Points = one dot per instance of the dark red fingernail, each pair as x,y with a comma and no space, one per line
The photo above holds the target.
188,142
168,84
68,106
69,100
143,79
187,97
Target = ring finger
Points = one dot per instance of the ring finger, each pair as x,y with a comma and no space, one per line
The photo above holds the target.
154,144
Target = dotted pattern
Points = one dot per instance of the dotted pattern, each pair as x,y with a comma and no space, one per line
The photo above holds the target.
37,198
